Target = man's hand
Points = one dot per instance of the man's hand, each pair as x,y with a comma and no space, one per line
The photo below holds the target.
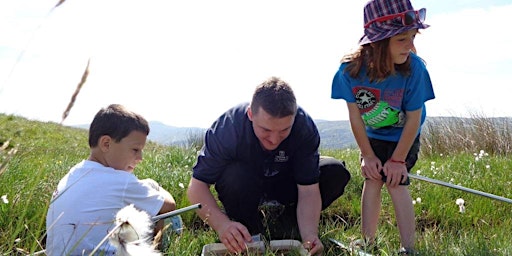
234,236
314,246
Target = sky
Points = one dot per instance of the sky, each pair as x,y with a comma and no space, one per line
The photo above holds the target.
184,63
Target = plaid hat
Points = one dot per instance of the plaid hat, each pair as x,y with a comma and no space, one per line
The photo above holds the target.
382,30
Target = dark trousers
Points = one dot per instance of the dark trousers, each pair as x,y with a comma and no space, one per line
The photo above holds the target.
385,149
242,192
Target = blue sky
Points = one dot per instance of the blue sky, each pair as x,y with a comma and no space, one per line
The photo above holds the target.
185,62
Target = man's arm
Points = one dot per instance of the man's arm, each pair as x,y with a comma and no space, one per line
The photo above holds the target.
309,206
232,234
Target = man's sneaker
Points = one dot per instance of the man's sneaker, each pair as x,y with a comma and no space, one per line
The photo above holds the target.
271,211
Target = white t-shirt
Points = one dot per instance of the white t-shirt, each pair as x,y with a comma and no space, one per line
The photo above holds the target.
85,203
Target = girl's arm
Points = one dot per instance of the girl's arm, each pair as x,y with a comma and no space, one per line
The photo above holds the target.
412,124
395,168
370,165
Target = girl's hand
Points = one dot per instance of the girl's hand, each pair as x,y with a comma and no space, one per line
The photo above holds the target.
395,172
371,167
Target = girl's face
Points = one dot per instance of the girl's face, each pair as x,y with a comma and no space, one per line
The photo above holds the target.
401,45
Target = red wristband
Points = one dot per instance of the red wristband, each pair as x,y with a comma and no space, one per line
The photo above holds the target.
396,161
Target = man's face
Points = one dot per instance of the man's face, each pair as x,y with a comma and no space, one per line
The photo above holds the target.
271,131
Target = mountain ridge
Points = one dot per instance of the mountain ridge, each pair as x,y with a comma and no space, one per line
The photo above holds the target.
333,134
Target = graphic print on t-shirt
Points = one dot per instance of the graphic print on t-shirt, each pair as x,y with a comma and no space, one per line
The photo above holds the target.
375,113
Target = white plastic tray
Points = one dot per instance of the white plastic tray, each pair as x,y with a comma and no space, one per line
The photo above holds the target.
258,248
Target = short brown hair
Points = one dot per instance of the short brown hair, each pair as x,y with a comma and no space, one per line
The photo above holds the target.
275,97
117,122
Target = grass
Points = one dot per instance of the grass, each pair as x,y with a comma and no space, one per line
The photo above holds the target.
471,152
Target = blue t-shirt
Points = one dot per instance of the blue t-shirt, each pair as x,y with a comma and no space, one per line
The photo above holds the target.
383,104
231,139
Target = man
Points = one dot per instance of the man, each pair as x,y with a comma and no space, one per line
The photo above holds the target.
263,159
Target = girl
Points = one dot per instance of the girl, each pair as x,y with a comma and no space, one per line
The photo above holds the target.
385,85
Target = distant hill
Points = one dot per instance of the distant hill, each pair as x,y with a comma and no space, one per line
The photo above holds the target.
172,135
333,134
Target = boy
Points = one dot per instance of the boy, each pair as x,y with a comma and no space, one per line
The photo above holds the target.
87,198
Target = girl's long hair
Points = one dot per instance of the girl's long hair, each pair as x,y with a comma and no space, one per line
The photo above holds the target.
377,60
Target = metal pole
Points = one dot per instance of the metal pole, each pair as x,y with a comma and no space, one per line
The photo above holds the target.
349,248
175,212
446,184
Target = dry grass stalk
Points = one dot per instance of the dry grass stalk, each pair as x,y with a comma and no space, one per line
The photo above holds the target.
451,135
12,152
77,90
59,3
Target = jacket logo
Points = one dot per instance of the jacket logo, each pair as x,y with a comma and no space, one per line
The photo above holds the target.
281,157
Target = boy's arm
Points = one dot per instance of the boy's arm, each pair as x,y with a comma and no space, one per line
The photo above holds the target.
169,202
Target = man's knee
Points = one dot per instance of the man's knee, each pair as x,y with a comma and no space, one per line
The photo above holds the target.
334,176
236,178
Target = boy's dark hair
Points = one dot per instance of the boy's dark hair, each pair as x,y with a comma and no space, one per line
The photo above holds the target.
275,97
117,122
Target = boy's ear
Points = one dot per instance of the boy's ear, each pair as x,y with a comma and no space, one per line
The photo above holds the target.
104,143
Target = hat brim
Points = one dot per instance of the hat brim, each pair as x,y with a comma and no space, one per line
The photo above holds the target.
377,33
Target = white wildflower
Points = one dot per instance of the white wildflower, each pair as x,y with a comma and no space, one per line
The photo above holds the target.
487,167
4,199
181,185
418,200
460,203
413,201
418,172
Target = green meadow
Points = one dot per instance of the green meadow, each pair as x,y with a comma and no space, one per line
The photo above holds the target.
470,152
